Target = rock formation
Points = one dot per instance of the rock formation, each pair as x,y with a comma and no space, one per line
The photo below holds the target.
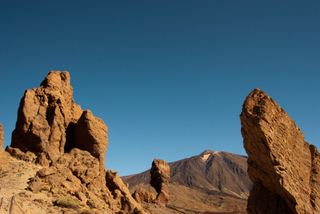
71,145
1,137
142,195
91,135
160,179
2,153
46,116
284,169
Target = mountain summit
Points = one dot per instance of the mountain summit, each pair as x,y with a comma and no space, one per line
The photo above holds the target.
218,175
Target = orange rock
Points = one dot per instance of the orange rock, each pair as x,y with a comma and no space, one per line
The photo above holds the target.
44,116
283,167
71,144
142,195
160,178
2,152
91,135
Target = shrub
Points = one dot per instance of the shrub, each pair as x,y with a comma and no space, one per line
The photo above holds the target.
67,203
85,211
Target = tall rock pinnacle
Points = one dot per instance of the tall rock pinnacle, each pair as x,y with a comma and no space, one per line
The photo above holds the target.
284,169
160,179
50,123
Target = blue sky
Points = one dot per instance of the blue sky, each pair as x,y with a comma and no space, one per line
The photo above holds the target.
167,77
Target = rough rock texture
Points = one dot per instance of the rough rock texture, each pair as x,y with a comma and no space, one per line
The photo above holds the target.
160,179
78,173
91,135
2,152
121,193
71,144
1,137
284,169
46,117
142,195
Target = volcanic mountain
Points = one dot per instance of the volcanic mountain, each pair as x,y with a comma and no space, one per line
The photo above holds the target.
209,182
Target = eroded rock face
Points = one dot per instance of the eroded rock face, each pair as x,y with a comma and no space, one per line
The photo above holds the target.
2,153
142,195
78,173
160,179
53,131
284,169
121,193
91,135
45,115
1,137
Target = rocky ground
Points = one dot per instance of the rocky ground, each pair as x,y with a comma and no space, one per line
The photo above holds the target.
14,178
15,175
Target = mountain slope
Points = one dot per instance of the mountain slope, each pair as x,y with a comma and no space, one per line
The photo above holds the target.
210,172
198,183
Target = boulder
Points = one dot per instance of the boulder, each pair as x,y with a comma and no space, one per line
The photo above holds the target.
142,195
35,185
121,193
160,179
17,153
284,169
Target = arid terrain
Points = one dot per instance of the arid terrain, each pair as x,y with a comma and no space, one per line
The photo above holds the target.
56,164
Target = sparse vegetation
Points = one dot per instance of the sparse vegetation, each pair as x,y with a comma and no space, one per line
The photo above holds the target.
86,211
67,203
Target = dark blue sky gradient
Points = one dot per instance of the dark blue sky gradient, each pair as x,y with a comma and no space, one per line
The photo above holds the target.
167,77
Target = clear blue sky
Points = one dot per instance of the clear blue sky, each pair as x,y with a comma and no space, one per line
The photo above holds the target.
167,77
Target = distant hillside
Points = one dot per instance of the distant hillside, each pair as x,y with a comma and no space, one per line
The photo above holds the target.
211,181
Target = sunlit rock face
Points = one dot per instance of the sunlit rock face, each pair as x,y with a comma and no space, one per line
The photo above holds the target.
284,169
2,153
46,118
71,144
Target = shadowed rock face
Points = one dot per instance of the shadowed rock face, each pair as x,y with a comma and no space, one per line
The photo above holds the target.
91,135
160,179
284,169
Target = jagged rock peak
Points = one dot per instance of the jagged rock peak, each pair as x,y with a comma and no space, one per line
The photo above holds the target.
50,123
53,131
284,169
56,80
